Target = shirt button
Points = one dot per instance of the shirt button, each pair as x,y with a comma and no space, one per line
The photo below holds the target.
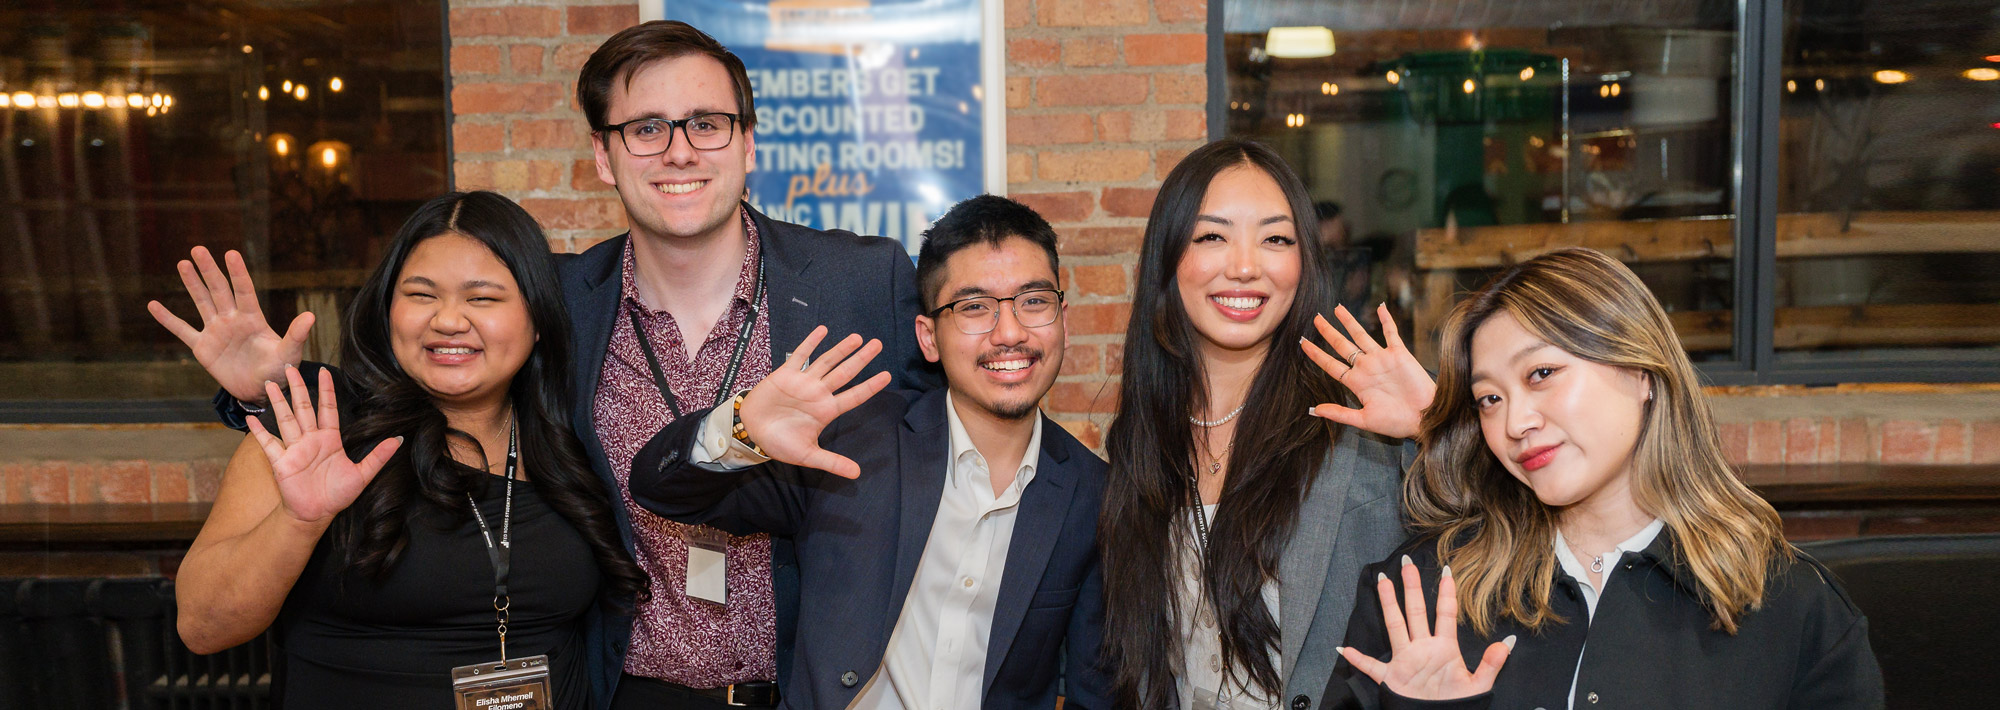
1592,698
848,679
1300,702
1215,662
968,582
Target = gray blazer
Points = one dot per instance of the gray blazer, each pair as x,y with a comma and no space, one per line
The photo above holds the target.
1351,517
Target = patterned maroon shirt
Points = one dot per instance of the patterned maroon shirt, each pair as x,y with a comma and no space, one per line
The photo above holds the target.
675,638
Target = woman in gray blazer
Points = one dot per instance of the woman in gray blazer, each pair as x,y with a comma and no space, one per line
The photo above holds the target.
1235,524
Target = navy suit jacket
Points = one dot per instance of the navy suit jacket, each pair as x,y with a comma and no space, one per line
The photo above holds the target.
859,541
848,283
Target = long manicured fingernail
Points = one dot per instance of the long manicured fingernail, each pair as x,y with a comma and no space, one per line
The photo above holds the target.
1312,411
399,440
1380,577
1509,641
1447,570
1406,561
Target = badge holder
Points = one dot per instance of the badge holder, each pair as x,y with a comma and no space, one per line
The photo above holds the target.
707,576
521,683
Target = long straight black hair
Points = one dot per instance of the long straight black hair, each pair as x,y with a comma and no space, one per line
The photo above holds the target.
1277,451
371,534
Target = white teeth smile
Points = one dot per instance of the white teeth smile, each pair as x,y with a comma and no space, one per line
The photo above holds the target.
681,188
1006,365
452,351
1241,303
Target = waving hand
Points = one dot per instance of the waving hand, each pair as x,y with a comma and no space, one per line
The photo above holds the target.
786,412
315,477
235,344
1393,388
1425,664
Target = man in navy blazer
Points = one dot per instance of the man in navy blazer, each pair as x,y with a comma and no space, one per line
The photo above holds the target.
946,541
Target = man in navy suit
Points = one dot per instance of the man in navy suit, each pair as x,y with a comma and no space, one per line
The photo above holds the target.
946,541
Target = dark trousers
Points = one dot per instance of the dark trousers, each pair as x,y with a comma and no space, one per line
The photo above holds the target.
637,693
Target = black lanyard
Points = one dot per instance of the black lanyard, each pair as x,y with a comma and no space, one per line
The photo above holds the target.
502,554
735,358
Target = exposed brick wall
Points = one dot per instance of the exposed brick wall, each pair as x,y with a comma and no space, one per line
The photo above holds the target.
516,128
1103,98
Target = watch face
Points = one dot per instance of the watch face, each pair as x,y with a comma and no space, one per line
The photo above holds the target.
1397,188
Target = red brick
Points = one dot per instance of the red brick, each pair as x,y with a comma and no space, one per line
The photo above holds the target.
1099,241
170,481
570,58
1019,13
205,480
1080,360
1048,129
1148,50
602,19
1114,126
548,134
1084,397
1856,445
509,176
1171,11
1020,167
1165,160
39,482
1090,90
1905,441
1180,89
1098,318
600,213
506,22
1953,442
1735,441
1129,201
1018,88
1114,359
1102,280
527,97
1801,440
1985,442
1033,52
475,59
1085,431
1767,442
583,177
110,482
1091,13
472,174
1090,51
477,138
1187,125
1829,440
1058,206
525,59
1094,165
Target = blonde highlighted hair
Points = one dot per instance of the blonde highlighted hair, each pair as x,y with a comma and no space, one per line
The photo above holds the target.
1493,531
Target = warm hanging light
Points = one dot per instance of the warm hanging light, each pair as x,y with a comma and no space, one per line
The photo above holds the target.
1617,89
92,99
1469,86
1394,78
286,87
1527,73
159,100
23,99
68,99
114,101
1819,85
263,93
335,85
1299,42
135,100
1982,74
299,92
1329,88
1891,76
247,49
1791,86
281,146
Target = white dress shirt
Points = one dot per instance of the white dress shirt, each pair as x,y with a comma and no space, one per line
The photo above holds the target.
1200,683
936,658
1576,570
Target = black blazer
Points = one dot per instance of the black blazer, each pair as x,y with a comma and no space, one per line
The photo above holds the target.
848,283
1806,648
859,542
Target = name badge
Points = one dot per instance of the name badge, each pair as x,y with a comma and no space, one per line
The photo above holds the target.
708,564
515,684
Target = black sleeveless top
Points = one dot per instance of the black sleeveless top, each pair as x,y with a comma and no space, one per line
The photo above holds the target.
346,641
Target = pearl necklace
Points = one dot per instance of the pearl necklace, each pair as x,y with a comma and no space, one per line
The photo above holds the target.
1219,422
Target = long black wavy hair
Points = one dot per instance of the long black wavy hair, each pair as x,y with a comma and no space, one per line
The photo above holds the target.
1277,451
371,534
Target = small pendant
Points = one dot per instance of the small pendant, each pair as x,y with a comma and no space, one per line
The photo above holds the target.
1597,564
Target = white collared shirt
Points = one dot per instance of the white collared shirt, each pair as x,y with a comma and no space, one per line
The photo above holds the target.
1200,683
936,658
937,655
1575,569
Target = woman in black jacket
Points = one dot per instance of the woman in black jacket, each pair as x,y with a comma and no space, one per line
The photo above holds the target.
1570,468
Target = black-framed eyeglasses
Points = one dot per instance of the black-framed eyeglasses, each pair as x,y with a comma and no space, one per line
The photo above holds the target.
645,137
978,315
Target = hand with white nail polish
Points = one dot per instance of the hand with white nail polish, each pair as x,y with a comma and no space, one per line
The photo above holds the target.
1425,663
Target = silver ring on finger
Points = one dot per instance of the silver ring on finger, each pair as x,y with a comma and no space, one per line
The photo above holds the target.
1351,356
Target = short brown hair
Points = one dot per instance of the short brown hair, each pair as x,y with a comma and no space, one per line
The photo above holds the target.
647,42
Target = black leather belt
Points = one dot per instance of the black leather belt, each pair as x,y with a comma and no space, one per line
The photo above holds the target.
754,694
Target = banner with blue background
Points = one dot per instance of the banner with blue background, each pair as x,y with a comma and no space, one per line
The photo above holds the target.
868,113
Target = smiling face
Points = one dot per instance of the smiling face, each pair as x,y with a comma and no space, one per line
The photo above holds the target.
1240,272
682,193
1564,426
1004,372
458,324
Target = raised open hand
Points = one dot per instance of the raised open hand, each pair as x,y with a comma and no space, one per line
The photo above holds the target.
315,477
786,412
235,344
1393,388
1425,664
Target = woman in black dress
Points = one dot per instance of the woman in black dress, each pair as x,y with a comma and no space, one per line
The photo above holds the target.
377,572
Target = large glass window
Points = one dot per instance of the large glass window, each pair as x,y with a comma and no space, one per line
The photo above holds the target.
301,133
1889,179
